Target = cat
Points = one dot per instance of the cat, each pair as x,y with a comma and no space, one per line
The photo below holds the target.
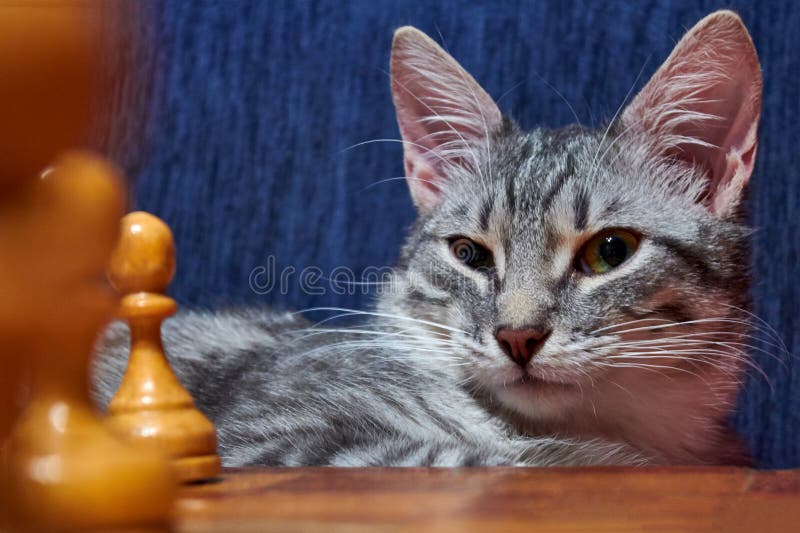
566,297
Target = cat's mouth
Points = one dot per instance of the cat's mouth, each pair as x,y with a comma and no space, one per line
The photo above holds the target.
530,381
539,397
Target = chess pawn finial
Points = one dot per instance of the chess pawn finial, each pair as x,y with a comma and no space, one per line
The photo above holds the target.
65,470
151,406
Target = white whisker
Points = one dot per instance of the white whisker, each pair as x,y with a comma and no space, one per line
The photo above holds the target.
345,312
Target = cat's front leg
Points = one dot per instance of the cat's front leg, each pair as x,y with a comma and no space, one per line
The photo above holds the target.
402,451
405,452
546,451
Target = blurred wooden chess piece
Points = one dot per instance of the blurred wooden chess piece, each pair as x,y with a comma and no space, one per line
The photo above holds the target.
66,470
151,407
60,467
44,105
46,87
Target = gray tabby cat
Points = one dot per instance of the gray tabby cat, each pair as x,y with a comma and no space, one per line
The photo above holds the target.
567,297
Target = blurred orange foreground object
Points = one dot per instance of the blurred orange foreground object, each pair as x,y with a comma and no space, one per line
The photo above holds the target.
47,81
62,469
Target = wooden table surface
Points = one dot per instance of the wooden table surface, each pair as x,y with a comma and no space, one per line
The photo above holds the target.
494,499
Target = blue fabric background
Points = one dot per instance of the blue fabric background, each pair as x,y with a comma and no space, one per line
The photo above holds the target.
254,105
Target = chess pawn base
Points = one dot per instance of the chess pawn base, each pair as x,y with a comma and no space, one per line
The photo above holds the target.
184,435
153,410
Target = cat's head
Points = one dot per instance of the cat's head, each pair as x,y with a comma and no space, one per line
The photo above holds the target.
567,263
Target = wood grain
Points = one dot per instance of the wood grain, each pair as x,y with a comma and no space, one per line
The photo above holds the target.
497,499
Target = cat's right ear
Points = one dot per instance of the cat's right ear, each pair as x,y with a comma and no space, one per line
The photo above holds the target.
445,117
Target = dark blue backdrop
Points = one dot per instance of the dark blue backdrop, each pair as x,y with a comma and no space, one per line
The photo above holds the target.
254,104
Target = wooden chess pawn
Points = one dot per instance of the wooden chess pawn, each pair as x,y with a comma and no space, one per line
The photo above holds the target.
151,407
64,469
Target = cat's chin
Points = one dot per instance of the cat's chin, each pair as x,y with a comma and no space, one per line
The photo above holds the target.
537,398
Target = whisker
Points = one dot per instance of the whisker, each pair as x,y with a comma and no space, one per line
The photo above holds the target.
638,320
684,323
614,118
711,361
769,329
692,338
651,366
395,334
355,312
404,142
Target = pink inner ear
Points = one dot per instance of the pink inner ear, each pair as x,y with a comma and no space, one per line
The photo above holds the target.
703,105
424,189
444,116
729,139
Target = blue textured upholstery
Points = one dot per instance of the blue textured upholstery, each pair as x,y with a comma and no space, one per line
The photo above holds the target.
256,103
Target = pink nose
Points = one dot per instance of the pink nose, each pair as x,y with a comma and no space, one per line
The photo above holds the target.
521,344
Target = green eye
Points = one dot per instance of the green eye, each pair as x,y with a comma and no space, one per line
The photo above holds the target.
471,253
607,250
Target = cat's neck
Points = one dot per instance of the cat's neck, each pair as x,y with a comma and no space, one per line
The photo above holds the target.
684,424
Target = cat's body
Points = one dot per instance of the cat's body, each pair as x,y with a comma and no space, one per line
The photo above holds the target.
284,393
566,297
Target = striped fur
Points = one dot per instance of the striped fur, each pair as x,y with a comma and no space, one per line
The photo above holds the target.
643,363
284,393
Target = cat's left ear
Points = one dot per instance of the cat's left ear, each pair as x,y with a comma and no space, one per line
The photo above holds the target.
445,117
702,106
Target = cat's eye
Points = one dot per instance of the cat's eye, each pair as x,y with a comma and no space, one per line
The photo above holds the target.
472,254
607,250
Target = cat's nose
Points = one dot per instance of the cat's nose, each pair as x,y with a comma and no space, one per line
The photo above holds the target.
521,344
